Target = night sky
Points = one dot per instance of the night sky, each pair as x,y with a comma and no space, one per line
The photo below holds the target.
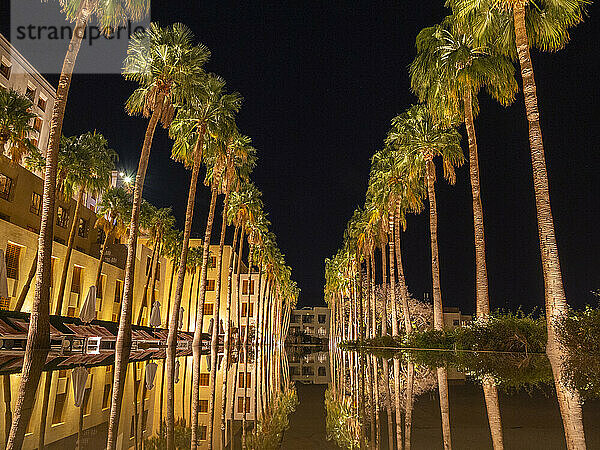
321,82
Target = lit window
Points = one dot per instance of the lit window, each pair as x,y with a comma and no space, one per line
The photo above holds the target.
202,432
208,309
118,291
42,102
245,287
5,68
82,229
30,93
5,186
62,217
210,285
76,281
212,262
37,124
204,379
203,406
13,253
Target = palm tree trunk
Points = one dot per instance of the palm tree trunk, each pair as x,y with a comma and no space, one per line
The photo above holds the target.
38,335
27,285
384,266
388,402
214,342
69,250
442,376
123,344
170,417
401,279
556,303
410,383
397,402
438,314
200,315
569,401
101,261
372,293
483,300
393,276
490,394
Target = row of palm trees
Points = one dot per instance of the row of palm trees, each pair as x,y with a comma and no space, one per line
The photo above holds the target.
472,49
175,91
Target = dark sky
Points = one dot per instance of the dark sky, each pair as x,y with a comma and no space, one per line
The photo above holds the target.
321,82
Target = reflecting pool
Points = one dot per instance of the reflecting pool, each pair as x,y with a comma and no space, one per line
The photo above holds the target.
304,397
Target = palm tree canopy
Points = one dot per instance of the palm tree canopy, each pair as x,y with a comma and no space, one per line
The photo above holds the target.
166,65
113,211
15,124
547,22
109,13
84,162
415,134
449,64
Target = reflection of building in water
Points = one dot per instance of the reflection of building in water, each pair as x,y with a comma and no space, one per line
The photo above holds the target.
312,368
310,321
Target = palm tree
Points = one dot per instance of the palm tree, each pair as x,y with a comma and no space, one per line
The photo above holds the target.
15,124
85,164
448,73
203,116
415,134
113,210
110,15
165,64
513,26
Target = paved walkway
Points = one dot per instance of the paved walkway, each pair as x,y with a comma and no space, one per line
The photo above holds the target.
307,423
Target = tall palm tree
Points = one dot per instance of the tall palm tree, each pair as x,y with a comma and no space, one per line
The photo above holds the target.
15,124
209,109
110,14
165,64
415,134
513,26
448,73
113,211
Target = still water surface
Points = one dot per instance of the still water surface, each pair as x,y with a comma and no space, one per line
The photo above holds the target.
306,397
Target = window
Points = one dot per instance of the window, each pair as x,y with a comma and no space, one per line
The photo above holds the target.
59,408
34,142
245,381
157,270
308,370
82,229
144,419
456,322
202,432
322,318
212,262
62,217
37,124
208,309
5,68
307,319
42,102
210,285
132,427
241,404
30,93
118,291
203,406
5,186
36,203
87,405
76,280
293,318
321,371
13,254
204,379
245,287
148,264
